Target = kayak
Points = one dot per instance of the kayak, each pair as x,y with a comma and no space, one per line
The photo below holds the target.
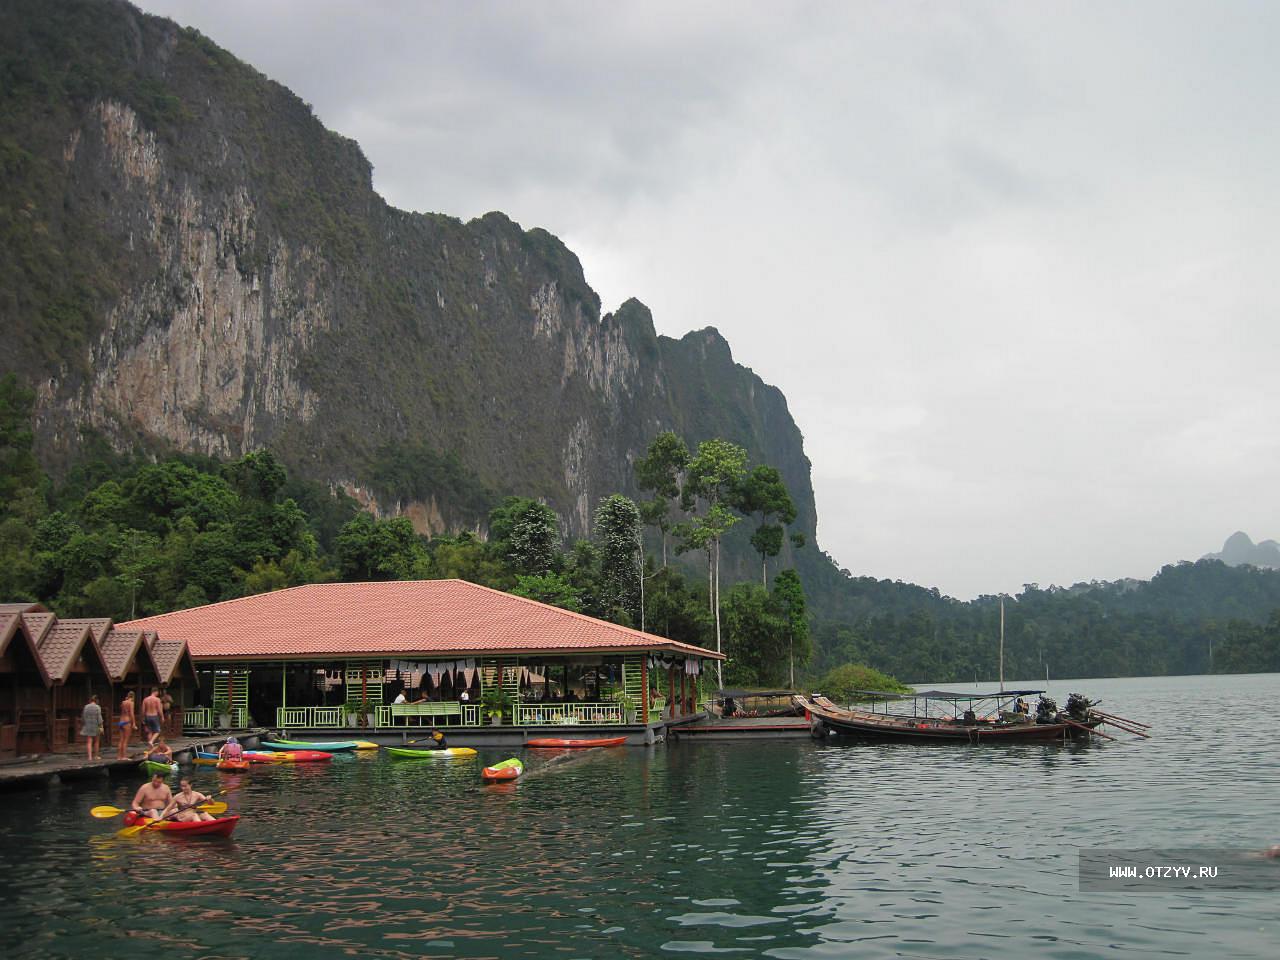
221,827
427,753
333,746
205,759
286,756
152,767
506,770
237,766
561,742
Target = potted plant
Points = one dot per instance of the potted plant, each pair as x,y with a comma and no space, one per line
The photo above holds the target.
352,710
627,706
222,709
495,703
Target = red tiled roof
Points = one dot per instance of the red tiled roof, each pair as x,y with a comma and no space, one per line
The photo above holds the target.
167,655
394,617
36,624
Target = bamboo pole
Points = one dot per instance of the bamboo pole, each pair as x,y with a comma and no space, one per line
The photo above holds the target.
1126,729
1112,716
1072,723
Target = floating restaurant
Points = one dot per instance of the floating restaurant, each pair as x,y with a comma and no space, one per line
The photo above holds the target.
399,656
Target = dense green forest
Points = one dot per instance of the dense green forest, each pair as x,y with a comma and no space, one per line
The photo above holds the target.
125,536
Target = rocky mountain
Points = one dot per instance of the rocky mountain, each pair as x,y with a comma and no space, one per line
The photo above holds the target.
190,260
1239,549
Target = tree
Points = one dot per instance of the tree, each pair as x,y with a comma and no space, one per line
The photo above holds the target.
660,472
712,477
763,492
549,588
789,601
617,530
372,549
756,636
526,532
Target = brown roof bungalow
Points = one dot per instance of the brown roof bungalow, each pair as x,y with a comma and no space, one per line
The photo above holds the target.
50,667
412,654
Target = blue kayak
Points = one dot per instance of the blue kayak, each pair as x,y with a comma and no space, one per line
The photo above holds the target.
332,746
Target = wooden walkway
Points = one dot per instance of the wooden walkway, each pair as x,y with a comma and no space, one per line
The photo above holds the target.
30,771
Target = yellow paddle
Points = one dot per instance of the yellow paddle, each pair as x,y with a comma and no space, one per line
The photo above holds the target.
106,812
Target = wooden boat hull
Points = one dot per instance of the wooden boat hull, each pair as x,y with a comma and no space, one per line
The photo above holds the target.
562,742
506,770
879,726
287,756
220,827
427,753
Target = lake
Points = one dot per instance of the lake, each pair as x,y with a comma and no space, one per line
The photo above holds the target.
789,849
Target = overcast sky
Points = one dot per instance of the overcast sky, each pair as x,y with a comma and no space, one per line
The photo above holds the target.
1015,266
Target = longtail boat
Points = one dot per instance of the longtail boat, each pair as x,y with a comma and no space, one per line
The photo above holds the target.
938,715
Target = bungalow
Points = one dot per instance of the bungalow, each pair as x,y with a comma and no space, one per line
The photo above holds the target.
50,667
336,655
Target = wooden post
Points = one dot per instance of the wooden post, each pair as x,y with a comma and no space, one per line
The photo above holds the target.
671,692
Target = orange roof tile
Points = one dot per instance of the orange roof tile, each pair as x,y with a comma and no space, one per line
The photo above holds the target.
394,617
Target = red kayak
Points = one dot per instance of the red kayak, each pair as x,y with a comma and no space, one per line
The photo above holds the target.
220,827
286,756
506,770
561,742
238,765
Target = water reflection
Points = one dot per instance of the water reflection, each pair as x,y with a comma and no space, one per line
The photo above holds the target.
766,849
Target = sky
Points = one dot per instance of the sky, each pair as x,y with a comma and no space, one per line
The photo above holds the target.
1014,265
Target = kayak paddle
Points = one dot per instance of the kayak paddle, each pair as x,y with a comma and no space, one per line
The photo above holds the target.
106,812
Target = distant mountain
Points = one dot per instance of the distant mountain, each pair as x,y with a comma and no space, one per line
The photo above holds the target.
1239,550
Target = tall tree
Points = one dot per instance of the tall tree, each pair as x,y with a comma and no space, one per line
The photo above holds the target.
711,479
527,533
789,600
617,531
661,471
763,492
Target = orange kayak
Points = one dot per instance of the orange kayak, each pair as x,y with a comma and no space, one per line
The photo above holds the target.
506,770
286,756
559,742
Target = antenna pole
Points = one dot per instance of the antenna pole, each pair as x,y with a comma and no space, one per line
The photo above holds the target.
1002,644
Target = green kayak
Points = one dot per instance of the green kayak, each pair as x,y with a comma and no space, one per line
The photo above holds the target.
152,767
448,753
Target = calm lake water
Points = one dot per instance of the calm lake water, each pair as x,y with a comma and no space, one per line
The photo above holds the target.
789,850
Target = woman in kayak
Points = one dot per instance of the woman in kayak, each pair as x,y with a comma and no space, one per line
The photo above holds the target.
231,750
183,805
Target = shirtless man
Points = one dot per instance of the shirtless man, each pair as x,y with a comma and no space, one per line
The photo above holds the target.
183,805
152,797
128,720
152,714
159,751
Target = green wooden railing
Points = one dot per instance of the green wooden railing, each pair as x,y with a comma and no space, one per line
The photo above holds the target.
311,717
197,718
536,714
445,713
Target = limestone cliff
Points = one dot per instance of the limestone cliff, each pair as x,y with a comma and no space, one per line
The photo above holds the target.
190,259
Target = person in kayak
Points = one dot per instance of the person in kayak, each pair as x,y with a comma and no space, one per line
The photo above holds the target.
437,741
182,807
159,751
152,797
231,750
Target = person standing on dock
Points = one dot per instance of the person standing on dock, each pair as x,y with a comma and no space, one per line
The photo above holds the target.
91,726
152,797
152,715
128,719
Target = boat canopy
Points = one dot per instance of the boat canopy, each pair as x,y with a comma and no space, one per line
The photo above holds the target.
995,695
942,695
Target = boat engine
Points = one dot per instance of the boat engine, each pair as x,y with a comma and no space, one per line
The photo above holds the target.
1046,710
1078,707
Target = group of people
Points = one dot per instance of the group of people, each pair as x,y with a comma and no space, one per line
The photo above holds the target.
154,799
155,707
